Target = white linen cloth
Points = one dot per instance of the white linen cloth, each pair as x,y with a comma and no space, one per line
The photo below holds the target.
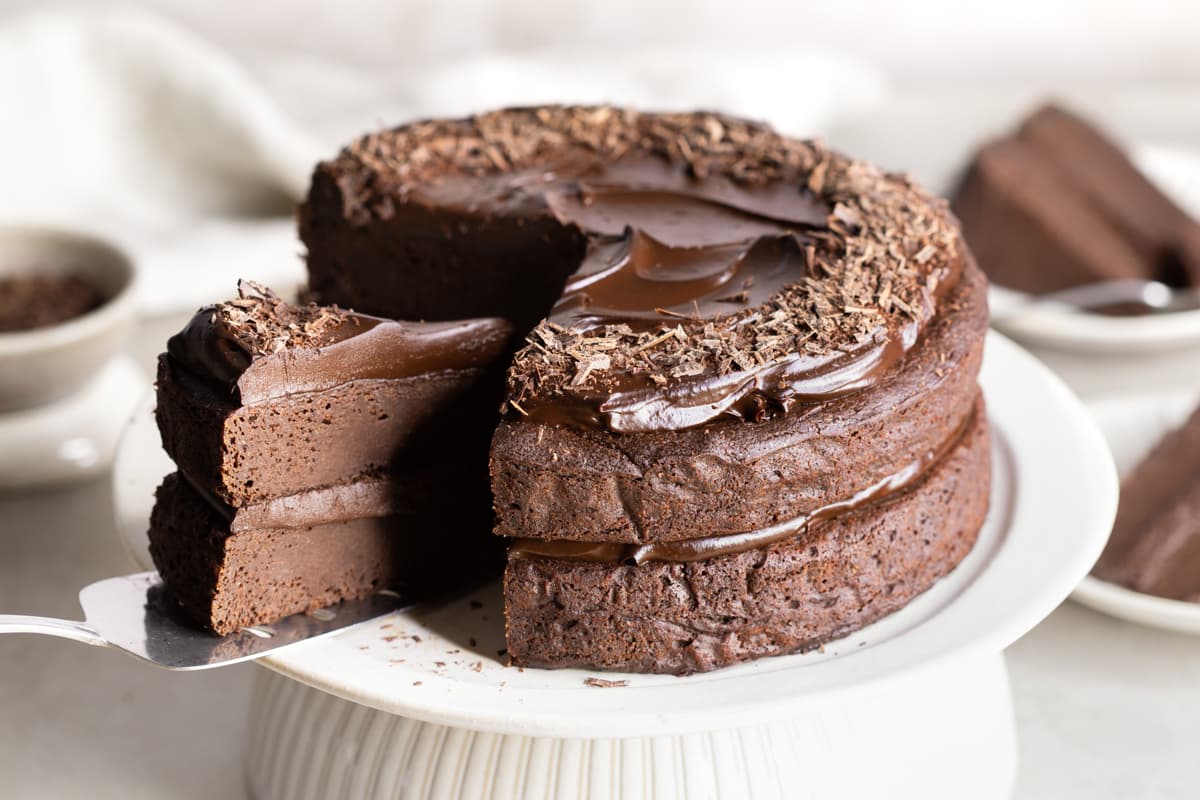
122,124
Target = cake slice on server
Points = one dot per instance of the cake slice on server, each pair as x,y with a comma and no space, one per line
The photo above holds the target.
322,455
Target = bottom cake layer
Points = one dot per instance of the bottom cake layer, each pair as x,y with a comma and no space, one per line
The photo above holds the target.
793,596
226,580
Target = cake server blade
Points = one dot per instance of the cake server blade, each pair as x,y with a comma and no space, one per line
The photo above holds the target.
132,613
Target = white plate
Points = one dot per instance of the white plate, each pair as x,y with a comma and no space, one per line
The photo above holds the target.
1177,173
1054,502
1132,424
74,438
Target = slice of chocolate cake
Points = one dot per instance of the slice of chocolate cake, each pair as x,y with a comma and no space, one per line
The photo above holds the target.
258,398
323,455
1155,544
1058,205
750,423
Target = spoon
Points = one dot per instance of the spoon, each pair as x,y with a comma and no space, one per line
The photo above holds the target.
1155,296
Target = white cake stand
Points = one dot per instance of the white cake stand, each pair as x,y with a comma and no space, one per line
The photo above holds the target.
421,704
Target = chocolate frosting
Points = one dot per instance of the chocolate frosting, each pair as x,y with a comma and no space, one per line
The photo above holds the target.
707,547
664,248
368,496
667,250
347,347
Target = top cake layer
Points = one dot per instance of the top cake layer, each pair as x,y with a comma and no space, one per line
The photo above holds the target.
262,348
259,399
698,266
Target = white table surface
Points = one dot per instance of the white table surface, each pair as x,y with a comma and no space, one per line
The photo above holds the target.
1105,709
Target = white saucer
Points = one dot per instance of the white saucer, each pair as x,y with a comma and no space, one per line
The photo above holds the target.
1132,424
441,665
73,438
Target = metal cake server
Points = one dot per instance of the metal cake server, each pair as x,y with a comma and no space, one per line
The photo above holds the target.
129,613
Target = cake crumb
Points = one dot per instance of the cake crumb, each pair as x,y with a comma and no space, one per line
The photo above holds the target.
603,683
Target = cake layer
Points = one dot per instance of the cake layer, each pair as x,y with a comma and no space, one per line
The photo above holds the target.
1057,205
226,580
572,483
1155,544
249,454
835,578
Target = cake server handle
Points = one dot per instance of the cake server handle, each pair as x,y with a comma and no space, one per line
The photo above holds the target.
49,626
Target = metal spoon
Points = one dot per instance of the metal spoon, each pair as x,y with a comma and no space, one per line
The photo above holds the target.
129,613
1153,295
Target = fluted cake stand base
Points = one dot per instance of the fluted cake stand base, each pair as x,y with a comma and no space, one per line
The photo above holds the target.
943,732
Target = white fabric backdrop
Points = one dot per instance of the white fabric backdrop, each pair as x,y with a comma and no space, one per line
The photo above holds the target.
126,125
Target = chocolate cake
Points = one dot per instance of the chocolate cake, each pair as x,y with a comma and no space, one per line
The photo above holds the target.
323,455
1057,204
1155,544
745,420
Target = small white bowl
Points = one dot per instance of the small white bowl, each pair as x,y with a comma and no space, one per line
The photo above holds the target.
41,365
1098,355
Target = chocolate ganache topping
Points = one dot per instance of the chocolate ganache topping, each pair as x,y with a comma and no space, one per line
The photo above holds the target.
726,270
262,347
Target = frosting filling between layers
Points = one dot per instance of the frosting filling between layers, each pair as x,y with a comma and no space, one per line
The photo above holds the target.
369,496
707,547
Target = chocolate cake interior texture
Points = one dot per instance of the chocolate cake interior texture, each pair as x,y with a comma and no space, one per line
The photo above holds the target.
744,419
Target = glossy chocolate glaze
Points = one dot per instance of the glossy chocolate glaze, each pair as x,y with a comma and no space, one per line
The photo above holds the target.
724,544
356,347
663,250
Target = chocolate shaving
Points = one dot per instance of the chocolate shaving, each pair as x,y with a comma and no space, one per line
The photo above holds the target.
262,323
603,683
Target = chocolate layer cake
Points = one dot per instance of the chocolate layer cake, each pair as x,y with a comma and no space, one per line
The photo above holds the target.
323,455
1057,204
1155,544
749,422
